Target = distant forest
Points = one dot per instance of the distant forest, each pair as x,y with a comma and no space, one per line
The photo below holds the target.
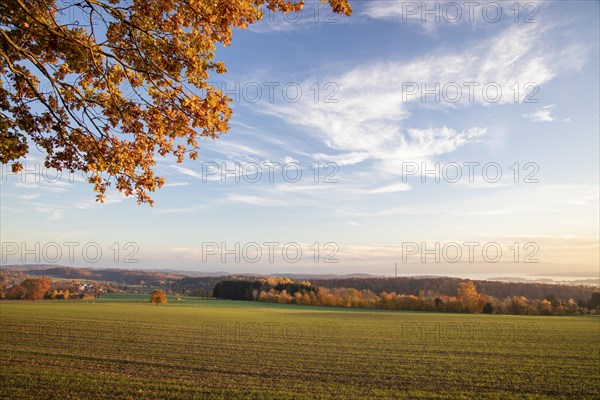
116,275
411,286
447,287
404,293
465,297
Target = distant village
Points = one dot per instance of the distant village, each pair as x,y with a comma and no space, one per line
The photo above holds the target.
73,283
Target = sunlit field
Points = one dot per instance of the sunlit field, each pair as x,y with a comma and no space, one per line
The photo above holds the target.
196,349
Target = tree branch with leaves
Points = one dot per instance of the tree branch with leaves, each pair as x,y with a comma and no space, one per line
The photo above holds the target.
104,87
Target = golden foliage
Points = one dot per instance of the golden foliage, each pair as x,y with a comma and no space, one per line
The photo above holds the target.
158,297
109,93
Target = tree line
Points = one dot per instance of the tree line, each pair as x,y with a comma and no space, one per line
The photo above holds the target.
240,289
422,294
43,288
465,299
203,286
117,275
447,286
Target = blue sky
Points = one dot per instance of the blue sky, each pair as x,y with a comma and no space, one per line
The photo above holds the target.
368,129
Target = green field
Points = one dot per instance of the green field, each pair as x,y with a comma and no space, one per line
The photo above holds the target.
122,348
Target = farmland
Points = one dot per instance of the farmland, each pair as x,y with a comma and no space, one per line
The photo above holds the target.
195,349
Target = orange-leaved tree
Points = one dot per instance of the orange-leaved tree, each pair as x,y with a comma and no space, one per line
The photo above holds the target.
467,294
158,297
36,288
104,86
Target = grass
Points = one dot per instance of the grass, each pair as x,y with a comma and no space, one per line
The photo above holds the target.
124,348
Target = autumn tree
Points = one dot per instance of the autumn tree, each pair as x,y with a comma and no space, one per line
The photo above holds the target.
106,86
545,307
158,297
16,292
519,306
4,283
36,288
467,294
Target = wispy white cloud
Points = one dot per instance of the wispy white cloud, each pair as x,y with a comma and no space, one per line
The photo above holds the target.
257,200
181,210
372,119
237,149
399,187
342,159
176,184
45,185
186,171
29,197
544,114
429,17
56,215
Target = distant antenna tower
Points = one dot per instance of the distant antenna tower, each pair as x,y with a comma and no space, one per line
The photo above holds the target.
396,266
